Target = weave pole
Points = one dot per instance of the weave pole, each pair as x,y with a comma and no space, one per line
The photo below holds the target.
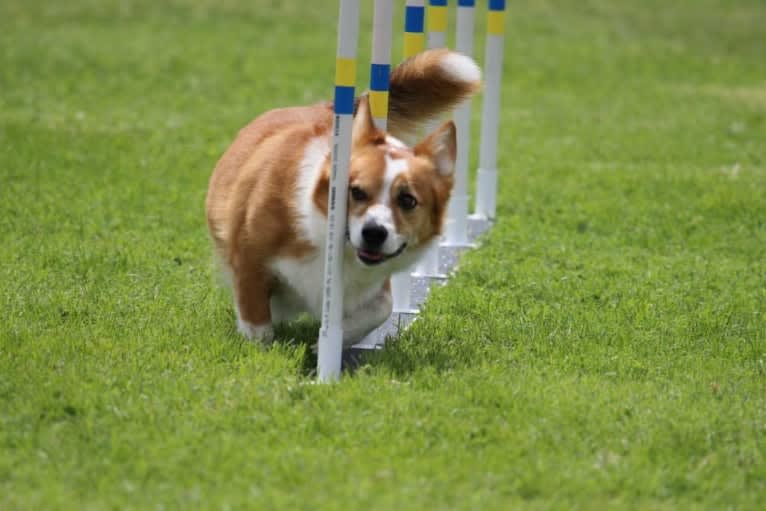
486,184
457,215
380,71
436,21
380,67
414,37
414,43
330,343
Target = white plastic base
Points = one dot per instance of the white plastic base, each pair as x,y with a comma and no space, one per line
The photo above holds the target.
428,266
370,342
400,293
457,223
330,347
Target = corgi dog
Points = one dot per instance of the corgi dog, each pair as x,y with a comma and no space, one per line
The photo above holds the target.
267,199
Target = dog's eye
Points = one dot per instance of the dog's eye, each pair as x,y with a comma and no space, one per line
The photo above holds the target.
406,201
358,194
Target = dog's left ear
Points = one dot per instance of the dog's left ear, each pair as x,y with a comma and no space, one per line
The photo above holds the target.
441,148
363,130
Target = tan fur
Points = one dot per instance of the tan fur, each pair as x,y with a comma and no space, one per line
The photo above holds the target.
420,90
257,218
251,214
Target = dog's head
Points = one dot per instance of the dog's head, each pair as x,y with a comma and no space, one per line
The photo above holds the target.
397,195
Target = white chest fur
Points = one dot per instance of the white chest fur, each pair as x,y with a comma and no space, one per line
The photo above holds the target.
301,284
301,280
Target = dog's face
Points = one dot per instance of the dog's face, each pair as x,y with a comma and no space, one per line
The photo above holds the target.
397,196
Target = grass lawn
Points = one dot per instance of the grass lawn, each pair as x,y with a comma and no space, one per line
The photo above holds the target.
604,348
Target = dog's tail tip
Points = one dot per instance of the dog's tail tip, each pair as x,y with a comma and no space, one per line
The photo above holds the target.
461,68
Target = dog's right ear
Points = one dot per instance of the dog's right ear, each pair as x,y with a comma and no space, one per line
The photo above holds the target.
364,131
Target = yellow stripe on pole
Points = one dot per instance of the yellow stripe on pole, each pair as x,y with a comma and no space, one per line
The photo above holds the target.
496,22
414,43
345,72
378,103
437,18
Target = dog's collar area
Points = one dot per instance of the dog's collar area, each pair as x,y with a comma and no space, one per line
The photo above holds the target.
371,258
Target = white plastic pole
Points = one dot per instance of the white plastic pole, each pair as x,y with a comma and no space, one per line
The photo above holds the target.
437,17
414,43
414,19
380,67
457,216
380,70
331,332
486,185
428,266
400,293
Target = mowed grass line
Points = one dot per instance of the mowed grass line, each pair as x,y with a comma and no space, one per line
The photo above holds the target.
604,348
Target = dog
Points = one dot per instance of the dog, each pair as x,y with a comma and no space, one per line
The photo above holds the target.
267,199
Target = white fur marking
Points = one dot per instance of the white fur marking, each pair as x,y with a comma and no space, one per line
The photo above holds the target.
380,212
394,167
263,333
395,142
305,276
460,68
312,223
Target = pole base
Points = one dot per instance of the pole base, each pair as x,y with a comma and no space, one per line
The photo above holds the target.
400,293
457,223
429,265
330,348
466,244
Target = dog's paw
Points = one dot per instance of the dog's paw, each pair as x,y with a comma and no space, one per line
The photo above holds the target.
261,333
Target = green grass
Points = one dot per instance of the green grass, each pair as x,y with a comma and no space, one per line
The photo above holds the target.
604,348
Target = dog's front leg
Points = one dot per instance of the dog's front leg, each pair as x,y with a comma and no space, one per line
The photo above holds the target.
252,290
367,316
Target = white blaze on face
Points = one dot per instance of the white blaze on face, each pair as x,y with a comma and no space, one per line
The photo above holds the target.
380,211
395,142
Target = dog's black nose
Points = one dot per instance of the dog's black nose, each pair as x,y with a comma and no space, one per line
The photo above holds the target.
374,235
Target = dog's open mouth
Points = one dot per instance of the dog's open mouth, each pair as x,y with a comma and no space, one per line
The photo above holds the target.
373,257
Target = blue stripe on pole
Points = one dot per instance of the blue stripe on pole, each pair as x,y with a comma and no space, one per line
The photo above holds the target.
413,18
379,76
466,3
496,5
438,3
344,100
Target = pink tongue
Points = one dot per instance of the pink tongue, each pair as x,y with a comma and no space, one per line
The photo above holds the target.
371,255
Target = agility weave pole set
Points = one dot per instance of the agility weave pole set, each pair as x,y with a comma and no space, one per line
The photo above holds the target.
330,344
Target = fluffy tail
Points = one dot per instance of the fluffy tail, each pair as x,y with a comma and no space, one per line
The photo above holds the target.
429,84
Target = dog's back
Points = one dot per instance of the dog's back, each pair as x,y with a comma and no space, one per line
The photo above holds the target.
259,136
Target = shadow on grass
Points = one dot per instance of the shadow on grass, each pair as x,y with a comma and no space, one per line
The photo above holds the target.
420,347
400,356
302,332
411,352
